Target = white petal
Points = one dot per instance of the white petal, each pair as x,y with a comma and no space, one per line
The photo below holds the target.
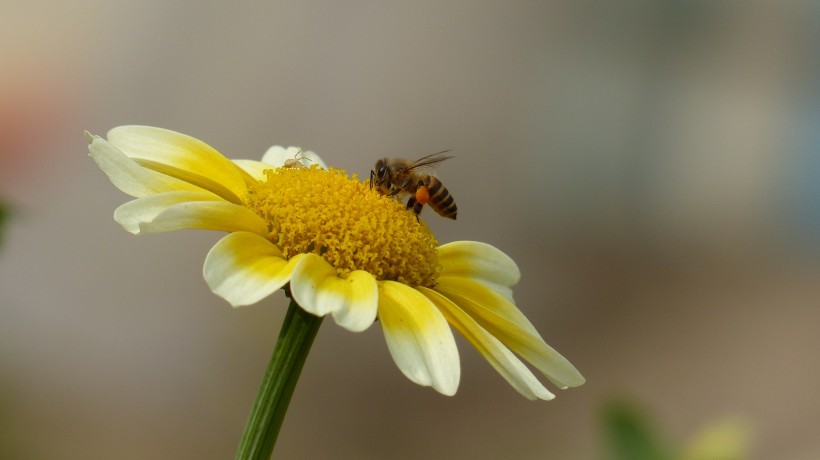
183,157
129,176
312,286
206,215
506,322
499,356
146,209
418,337
278,156
319,290
361,308
244,268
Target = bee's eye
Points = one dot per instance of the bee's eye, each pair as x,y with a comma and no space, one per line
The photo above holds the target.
382,171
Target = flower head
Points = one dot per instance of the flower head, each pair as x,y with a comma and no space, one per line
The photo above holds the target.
343,249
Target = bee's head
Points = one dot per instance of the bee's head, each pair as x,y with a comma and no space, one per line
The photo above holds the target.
382,170
380,175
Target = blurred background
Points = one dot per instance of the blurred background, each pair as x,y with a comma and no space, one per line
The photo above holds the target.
653,167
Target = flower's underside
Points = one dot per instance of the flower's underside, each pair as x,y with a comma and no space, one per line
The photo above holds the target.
344,250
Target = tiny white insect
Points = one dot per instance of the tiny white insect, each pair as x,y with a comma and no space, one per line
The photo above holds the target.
297,162
292,157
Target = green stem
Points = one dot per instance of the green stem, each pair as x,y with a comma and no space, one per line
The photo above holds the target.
297,334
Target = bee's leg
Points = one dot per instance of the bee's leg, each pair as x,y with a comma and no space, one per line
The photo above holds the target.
399,189
371,179
413,204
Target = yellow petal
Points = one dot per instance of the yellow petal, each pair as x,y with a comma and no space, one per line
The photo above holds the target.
499,356
481,262
183,157
319,290
244,268
418,337
503,320
255,169
129,176
206,215
493,304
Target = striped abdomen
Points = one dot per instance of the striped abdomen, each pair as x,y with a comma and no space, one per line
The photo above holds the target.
436,195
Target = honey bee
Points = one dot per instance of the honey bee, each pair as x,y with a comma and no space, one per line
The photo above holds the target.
391,177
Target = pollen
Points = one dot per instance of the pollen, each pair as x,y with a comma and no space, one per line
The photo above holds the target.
352,227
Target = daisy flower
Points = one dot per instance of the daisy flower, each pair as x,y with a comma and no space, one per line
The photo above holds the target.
339,249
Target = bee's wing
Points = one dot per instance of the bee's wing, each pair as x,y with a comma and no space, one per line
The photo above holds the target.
430,161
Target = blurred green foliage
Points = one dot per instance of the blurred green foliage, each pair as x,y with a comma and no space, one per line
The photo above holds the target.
629,435
4,215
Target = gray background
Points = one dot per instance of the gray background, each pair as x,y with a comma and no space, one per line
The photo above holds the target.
650,167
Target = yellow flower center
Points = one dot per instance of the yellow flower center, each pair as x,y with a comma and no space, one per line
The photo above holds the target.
347,223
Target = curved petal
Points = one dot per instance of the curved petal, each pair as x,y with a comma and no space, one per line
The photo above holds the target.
244,268
278,156
312,286
319,290
361,308
475,259
129,176
146,209
183,157
481,262
206,215
499,356
418,337
503,320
